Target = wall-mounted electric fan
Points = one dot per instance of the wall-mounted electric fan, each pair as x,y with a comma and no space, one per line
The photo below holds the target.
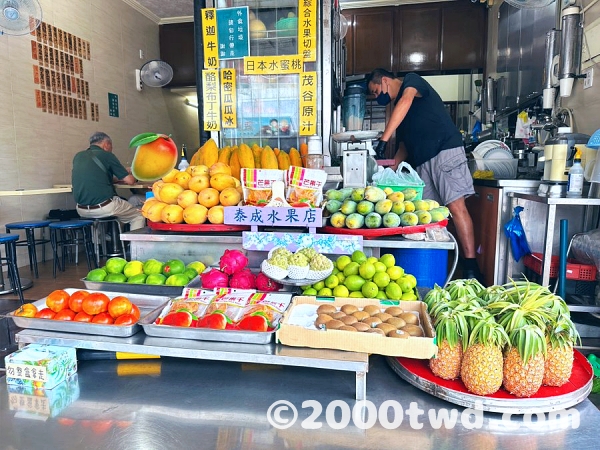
155,73
18,17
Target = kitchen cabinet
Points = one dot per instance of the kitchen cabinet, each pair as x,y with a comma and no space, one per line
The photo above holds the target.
177,49
445,36
370,40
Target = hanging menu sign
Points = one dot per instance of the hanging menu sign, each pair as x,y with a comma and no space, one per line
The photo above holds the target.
211,100
228,99
308,104
232,33
272,65
209,37
307,30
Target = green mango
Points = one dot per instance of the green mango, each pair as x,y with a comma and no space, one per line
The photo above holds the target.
355,221
391,220
338,220
365,207
373,220
348,207
333,206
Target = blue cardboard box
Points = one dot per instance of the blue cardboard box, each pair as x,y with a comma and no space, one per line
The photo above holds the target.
40,366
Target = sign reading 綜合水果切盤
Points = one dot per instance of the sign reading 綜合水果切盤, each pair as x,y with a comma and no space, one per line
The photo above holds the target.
273,217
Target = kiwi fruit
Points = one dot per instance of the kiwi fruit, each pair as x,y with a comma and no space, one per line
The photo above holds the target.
409,318
396,321
347,328
322,319
371,309
338,315
349,320
386,327
413,330
360,315
326,309
361,326
334,324
383,316
398,334
349,309
376,331
372,321
394,311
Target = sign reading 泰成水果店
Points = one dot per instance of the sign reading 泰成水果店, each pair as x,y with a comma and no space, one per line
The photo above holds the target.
276,217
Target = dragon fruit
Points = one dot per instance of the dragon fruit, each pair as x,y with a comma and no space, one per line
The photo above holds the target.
232,261
266,284
243,279
214,278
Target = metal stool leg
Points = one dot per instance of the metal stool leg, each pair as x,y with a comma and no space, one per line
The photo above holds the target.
13,271
89,248
54,243
32,251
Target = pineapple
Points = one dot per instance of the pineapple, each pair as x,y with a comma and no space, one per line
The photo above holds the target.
481,369
524,361
451,332
561,336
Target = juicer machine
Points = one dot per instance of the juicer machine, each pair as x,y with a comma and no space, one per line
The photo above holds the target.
358,157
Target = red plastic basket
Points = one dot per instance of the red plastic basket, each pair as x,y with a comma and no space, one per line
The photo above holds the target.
575,270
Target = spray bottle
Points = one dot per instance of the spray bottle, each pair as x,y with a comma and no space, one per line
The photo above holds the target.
575,181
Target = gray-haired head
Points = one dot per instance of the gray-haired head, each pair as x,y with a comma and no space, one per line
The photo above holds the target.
98,137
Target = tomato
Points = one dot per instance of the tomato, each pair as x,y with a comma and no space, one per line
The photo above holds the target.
45,313
82,316
125,319
77,299
103,318
64,314
57,300
101,426
95,303
135,311
118,306
26,310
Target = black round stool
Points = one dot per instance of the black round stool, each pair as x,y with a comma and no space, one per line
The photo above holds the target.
10,247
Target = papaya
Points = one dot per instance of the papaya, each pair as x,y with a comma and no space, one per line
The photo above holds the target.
234,163
295,159
245,157
268,160
283,160
276,151
210,152
197,158
224,155
256,151
303,149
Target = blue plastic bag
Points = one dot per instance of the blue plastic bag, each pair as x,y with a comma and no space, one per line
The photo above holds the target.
515,232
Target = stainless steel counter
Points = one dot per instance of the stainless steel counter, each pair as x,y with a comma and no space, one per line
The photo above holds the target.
182,403
513,183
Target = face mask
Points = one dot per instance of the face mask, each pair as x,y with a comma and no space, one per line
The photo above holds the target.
383,98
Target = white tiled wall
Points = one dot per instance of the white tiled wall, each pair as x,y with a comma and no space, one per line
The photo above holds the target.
37,148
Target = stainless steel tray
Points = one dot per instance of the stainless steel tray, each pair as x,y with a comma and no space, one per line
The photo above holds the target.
145,289
146,304
202,334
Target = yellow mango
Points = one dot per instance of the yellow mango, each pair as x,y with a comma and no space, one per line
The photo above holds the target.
295,159
283,161
268,160
245,157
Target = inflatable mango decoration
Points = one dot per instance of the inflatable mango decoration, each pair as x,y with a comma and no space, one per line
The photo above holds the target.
155,156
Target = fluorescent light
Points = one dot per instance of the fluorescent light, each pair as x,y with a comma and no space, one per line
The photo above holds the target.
191,103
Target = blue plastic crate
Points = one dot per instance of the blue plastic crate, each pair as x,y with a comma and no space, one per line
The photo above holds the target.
429,266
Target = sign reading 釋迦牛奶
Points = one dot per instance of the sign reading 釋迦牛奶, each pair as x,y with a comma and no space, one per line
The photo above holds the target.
279,217
232,33
209,38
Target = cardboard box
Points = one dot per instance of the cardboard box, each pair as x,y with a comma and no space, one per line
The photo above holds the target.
43,403
40,366
413,347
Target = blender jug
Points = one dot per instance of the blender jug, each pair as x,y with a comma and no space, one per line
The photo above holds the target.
354,105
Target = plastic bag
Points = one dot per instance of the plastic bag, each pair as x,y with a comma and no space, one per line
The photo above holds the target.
405,175
515,232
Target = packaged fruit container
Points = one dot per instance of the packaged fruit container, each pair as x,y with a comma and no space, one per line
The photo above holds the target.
145,303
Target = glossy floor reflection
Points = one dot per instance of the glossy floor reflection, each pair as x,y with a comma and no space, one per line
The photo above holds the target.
179,403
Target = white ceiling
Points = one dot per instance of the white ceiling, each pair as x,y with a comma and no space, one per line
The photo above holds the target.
171,11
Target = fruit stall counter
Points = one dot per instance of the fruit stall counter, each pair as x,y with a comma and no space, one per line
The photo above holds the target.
185,403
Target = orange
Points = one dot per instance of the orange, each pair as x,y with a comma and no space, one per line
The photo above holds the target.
64,314
95,303
208,197
57,300
77,299
118,306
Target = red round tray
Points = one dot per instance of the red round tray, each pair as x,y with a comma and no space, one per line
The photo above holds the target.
370,233
574,391
201,228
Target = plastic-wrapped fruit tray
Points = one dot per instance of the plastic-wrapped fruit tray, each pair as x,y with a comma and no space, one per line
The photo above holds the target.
547,398
370,233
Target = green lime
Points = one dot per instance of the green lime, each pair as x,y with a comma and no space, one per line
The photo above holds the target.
381,295
310,291
335,270
156,279
372,259
343,261
395,272
356,294
393,291
179,279
359,256
381,279
366,270
331,281
380,267
325,292
351,269
354,282
410,296
341,291
369,289
140,278
319,285
412,279
115,278
96,275
341,277
115,265
388,259
405,283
